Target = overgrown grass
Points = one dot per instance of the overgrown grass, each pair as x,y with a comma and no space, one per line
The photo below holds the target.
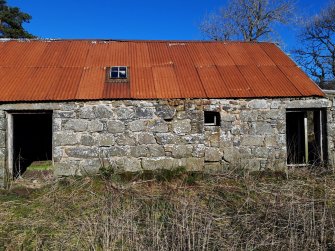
173,210
40,166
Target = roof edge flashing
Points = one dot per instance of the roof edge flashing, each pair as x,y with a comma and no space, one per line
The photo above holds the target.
102,40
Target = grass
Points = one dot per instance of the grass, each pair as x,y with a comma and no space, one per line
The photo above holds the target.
173,210
40,166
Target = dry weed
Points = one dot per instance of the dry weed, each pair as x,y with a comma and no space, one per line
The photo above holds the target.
264,211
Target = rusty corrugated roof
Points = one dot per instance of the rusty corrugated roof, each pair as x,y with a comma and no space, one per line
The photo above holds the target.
47,70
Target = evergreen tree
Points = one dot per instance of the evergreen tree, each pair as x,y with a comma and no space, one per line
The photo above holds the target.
11,20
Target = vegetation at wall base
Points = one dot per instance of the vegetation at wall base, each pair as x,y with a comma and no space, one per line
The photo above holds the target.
173,210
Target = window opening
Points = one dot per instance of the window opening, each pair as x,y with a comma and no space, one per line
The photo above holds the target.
306,137
118,72
211,118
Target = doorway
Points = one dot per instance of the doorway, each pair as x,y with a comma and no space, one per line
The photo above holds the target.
29,139
306,137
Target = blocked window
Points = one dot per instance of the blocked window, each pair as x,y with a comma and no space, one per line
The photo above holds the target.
306,137
211,118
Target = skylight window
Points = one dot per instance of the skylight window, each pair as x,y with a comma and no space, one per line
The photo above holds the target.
118,72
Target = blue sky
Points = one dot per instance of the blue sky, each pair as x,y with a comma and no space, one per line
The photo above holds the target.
142,19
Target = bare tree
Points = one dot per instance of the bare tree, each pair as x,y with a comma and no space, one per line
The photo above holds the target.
250,20
317,48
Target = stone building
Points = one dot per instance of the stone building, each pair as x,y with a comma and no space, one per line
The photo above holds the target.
136,105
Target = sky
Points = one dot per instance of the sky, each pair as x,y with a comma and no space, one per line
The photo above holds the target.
141,19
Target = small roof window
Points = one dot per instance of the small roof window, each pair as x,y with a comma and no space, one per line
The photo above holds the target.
120,72
117,74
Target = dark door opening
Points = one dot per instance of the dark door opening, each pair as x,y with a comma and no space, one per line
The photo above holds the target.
295,137
32,139
306,137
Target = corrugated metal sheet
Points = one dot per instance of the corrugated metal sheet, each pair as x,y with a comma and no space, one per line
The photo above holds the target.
11,53
219,54
213,83
239,54
235,82
67,85
4,53
39,70
118,53
2,44
276,55
301,81
258,56
98,55
116,91
179,54
200,56
139,55
12,80
92,84
159,54
46,77
3,72
189,82
76,54
166,84
54,54
257,81
278,79
31,55
142,83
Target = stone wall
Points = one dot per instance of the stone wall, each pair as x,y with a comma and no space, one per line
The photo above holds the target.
3,148
154,134
331,127
136,135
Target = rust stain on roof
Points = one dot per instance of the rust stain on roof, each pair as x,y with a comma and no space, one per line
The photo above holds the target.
276,55
189,82
219,54
76,54
200,56
140,56
67,85
11,80
159,54
235,82
142,83
257,81
277,78
239,54
54,54
116,91
91,84
257,54
213,82
301,81
46,70
166,84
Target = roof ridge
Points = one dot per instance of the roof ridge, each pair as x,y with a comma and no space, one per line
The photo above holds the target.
129,40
